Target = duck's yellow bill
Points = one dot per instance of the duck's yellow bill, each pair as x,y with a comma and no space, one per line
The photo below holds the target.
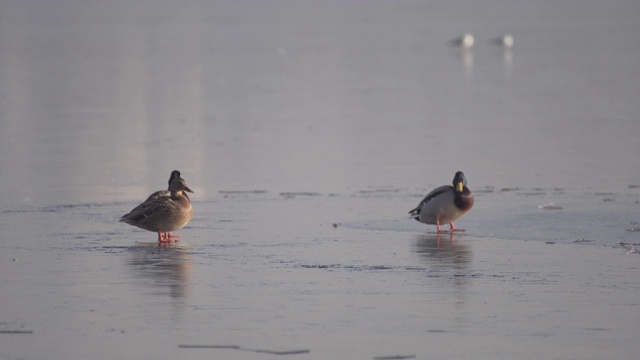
460,186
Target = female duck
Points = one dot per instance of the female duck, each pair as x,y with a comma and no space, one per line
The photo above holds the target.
445,204
163,213
174,174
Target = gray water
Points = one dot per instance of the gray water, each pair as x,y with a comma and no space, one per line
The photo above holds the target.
287,117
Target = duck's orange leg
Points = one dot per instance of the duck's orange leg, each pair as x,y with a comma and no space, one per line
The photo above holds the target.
453,228
163,237
171,236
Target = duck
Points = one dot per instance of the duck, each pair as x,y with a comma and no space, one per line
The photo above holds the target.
174,174
163,213
445,204
465,41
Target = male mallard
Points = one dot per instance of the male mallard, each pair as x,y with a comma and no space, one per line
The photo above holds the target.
164,213
445,204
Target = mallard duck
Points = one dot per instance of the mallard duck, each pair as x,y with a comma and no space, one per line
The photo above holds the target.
164,213
174,174
445,204
465,41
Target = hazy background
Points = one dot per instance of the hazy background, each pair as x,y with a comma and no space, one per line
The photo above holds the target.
101,100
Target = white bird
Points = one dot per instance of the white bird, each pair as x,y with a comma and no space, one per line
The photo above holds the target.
506,41
465,41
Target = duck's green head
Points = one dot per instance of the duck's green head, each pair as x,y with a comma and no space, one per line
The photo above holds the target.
459,181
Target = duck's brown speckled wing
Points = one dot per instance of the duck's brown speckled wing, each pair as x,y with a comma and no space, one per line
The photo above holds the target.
149,210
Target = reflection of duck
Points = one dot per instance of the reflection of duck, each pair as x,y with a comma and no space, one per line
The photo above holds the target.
465,41
444,251
163,214
445,204
448,260
163,267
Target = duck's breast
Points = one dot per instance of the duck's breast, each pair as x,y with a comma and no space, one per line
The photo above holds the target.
178,215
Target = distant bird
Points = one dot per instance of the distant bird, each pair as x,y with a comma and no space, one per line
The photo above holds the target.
445,204
164,213
465,41
506,41
174,174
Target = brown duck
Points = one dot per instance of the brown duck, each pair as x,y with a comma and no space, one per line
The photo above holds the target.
164,211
